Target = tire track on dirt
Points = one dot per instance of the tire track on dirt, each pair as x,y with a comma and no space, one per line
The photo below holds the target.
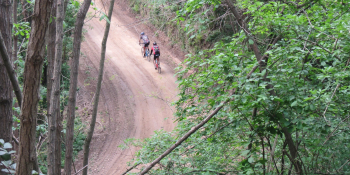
133,94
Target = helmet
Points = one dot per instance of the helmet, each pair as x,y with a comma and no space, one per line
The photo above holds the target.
155,43
142,33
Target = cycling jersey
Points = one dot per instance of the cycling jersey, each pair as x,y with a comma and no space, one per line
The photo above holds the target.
156,50
144,38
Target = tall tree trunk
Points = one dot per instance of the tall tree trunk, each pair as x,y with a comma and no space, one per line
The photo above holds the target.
15,38
73,85
51,52
31,85
97,94
54,163
5,84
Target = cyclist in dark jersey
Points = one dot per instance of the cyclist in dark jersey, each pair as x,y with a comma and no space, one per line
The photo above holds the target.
145,41
156,50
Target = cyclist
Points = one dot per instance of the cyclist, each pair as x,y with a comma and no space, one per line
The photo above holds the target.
155,49
146,42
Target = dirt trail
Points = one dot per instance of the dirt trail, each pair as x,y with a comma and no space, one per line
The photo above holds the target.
134,96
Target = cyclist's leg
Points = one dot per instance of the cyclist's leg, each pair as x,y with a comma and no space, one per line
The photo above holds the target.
154,61
145,47
158,61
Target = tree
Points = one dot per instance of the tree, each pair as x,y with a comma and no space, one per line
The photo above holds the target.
288,62
5,84
15,38
51,52
97,93
31,85
73,85
54,153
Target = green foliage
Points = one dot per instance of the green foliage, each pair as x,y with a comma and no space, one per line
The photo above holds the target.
78,143
22,29
191,29
135,5
5,155
303,90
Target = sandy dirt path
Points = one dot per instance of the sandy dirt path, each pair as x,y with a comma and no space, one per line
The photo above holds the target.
134,99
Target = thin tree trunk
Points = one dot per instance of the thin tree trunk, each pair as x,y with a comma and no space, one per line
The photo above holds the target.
51,52
54,163
5,83
73,85
14,59
60,114
15,38
97,94
31,85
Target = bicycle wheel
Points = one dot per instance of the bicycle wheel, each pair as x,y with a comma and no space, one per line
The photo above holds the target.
159,69
142,49
148,56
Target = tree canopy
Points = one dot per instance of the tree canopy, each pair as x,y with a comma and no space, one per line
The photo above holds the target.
284,70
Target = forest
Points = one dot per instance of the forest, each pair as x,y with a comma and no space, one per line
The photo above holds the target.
263,87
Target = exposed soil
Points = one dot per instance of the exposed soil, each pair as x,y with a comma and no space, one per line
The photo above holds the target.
135,99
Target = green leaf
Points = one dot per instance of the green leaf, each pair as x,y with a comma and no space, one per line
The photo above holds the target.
278,99
312,107
251,160
181,18
309,98
251,41
7,146
294,103
76,4
11,152
3,153
211,102
8,171
64,24
107,20
245,152
2,141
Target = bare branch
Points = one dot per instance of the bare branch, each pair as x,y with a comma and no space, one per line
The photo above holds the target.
81,169
324,113
188,134
336,128
315,44
10,70
15,139
131,168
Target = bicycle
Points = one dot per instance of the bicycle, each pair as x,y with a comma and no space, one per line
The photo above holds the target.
148,56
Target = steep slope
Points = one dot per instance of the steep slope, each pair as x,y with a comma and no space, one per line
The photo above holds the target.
135,99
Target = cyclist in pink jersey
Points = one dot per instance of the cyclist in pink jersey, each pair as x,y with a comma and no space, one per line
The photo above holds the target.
156,50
